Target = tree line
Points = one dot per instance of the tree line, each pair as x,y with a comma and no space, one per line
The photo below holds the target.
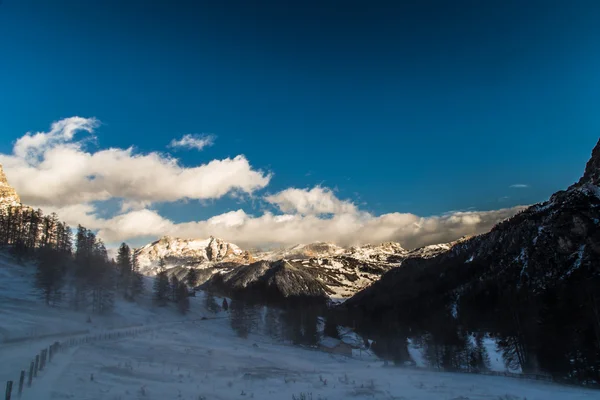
173,289
70,269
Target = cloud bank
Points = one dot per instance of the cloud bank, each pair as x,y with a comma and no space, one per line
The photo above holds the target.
316,201
55,171
268,229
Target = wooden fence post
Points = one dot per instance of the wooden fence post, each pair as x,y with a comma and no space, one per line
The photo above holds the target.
9,389
37,365
30,377
21,382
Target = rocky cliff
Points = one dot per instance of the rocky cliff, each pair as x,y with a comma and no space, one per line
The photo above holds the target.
8,195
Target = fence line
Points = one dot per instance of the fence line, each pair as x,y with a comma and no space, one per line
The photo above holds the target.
44,336
43,359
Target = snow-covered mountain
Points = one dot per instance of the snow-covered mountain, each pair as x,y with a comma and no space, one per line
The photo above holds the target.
302,251
380,252
342,271
196,253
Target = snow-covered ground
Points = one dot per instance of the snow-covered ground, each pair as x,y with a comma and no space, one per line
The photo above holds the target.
205,360
189,358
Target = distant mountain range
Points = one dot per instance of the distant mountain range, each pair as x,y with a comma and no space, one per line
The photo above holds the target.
337,271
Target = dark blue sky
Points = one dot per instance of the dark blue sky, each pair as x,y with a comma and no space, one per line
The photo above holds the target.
419,106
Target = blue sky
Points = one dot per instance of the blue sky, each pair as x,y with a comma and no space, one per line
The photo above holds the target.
398,107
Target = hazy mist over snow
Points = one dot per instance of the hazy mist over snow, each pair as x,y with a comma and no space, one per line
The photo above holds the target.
59,171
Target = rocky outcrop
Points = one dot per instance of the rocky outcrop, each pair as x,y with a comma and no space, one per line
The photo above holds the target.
591,174
303,251
8,195
193,253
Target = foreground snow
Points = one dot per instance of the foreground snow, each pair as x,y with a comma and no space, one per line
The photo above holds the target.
205,360
190,358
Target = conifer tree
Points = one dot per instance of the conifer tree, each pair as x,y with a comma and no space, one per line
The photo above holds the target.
161,288
210,303
50,274
192,277
137,280
125,269
174,288
183,300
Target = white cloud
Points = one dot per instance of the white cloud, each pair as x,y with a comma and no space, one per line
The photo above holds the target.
519,186
129,205
31,146
53,169
197,142
316,201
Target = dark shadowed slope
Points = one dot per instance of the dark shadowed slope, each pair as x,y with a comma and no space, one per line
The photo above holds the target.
533,281
269,281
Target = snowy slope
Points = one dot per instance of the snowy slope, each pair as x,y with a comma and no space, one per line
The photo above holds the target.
184,357
206,360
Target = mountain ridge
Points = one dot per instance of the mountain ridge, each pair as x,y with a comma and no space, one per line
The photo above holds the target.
524,281
342,271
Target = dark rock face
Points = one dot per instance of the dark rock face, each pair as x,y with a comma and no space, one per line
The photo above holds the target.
592,169
270,282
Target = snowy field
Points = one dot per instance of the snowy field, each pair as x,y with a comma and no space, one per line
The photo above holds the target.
189,358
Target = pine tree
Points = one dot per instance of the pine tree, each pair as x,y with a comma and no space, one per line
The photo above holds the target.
50,225
125,270
161,288
239,319
480,359
100,276
174,287
272,324
33,228
183,300
225,305
210,303
192,278
137,280
331,326
124,260
83,253
50,274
